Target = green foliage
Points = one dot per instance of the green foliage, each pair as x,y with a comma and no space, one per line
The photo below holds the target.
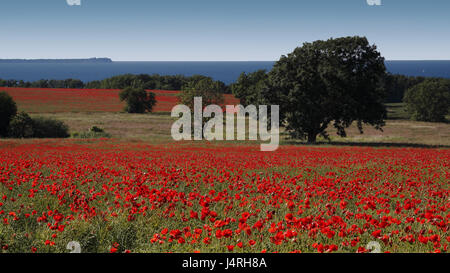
67,83
209,90
21,126
338,80
396,111
138,100
96,129
429,101
49,128
8,110
155,81
396,86
93,85
248,87
195,79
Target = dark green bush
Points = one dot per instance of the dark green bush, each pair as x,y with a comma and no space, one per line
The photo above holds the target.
429,101
21,126
96,129
49,128
138,100
8,110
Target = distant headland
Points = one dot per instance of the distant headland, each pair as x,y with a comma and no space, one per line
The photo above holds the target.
57,61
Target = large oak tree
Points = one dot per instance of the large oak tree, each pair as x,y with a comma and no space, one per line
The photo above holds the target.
338,81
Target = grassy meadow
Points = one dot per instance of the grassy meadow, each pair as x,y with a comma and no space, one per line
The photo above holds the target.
156,126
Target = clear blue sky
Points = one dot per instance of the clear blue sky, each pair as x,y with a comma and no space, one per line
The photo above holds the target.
208,30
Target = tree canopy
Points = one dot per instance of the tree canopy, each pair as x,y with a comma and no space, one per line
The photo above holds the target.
429,100
138,100
155,81
248,87
396,86
209,90
8,109
337,81
21,126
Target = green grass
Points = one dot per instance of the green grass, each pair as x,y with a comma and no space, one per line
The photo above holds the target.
156,128
397,111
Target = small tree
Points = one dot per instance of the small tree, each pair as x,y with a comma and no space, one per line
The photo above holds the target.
337,81
429,100
248,87
209,90
8,110
138,100
21,126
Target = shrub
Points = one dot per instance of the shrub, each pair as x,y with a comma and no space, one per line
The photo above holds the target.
96,129
206,88
248,87
49,128
138,100
429,101
8,110
21,126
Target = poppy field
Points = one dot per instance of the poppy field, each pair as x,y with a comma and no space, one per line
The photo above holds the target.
119,196
48,100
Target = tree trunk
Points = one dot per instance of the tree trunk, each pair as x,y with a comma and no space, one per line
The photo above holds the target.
312,137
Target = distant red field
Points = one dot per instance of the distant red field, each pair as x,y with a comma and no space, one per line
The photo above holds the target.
48,100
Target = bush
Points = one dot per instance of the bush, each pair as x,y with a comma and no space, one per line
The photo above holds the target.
248,87
21,126
8,110
96,129
138,100
429,101
49,128
206,88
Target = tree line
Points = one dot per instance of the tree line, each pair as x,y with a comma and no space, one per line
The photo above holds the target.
395,85
68,83
155,81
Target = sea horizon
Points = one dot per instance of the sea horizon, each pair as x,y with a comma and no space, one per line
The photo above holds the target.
225,71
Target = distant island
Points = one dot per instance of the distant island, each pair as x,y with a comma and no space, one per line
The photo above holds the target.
57,61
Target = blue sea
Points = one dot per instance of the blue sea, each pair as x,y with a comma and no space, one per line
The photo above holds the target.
227,72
